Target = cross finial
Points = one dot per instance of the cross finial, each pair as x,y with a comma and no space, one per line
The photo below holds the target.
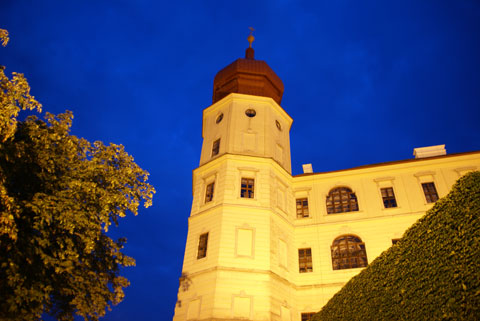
251,38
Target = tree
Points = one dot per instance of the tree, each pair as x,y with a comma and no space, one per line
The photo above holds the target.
14,96
58,196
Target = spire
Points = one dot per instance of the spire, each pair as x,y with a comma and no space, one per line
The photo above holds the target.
250,53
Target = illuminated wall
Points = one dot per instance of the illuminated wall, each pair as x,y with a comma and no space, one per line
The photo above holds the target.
260,242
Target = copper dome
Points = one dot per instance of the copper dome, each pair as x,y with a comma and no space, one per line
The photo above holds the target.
247,76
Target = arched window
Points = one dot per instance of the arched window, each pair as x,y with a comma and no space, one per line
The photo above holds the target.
348,251
340,200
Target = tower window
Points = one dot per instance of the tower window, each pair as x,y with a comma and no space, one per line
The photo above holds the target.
348,252
209,192
219,118
307,316
247,188
216,147
388,197
305,260
302,207
202,246
279,126
340,200
430,192
250,113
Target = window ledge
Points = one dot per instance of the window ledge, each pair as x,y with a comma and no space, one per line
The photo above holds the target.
207,204
349,269
343,213
303,221
391,208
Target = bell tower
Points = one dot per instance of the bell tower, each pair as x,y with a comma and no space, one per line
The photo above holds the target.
240,190
245,117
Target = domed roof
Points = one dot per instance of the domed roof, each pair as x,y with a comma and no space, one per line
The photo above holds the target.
248,76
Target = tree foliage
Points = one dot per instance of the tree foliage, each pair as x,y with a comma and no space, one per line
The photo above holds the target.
431,273
14,96
4,37
58,196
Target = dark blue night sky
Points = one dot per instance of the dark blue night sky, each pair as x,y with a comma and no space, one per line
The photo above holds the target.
365,82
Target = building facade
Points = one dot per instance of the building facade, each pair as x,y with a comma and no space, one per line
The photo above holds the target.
265,245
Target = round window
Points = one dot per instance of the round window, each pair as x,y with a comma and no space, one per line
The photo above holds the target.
279,126
250,112
219,118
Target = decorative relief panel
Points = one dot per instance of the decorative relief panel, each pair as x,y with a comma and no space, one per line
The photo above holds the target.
279,154
193,311
245,242
282,253
242,305
285,313
250,141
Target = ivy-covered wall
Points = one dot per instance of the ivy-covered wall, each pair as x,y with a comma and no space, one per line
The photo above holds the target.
432,273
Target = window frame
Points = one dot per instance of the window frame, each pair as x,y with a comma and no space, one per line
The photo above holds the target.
346,198
249,190
216,147
305,261
209,192
301,211
202,246
388,199
430,192
348,258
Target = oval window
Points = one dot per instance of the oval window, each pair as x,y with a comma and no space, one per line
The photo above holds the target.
279,126
219,118
250,112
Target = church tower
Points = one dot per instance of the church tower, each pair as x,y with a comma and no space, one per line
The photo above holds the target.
240,188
